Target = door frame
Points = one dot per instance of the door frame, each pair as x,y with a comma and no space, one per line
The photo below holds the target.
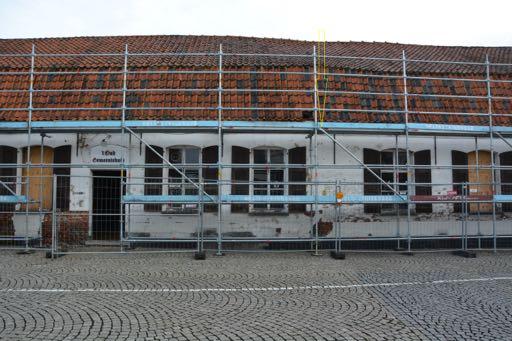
91,197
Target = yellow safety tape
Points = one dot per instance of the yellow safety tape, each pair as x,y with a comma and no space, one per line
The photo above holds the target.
322,48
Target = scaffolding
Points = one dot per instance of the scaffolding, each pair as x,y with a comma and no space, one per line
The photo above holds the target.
133,129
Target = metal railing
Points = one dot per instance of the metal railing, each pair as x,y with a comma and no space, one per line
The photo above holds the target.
116,219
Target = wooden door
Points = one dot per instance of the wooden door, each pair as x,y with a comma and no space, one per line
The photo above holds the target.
483,176
40,187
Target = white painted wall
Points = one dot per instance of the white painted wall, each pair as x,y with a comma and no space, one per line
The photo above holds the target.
294,225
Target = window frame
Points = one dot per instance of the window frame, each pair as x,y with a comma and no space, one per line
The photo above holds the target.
396,171
375,186
269,208
189,208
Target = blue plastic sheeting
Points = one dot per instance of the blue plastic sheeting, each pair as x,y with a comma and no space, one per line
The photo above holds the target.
360,126
12,199
503,198
280,199
311,125
426,127
172,124
502,129
268,124
13,125
375,199
263,199
157,199
77,124
448,127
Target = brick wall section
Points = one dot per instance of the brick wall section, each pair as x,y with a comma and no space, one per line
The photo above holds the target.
72,228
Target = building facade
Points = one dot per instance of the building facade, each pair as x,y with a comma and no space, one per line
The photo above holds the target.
135,137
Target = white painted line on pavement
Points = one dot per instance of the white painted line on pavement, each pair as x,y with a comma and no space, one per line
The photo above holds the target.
291,288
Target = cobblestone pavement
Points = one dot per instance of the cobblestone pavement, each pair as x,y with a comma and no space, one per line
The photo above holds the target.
256,297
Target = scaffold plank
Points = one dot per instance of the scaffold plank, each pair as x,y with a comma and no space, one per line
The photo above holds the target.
503,198
12,199
272,199
228,126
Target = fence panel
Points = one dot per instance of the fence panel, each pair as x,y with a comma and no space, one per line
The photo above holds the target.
107,220
24,218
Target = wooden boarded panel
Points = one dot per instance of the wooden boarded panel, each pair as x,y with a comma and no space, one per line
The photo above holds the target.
40,188
483,176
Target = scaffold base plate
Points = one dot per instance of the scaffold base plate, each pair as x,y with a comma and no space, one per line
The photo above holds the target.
337,255
464,253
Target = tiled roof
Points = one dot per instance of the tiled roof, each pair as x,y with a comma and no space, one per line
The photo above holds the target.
247,45
238,104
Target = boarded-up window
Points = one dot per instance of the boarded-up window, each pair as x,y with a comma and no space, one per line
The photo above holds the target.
480,176
210,174
297,156
423,176
240,177
40,179
8,155
480,179
459,176
62,156
153,177
506,178
372,185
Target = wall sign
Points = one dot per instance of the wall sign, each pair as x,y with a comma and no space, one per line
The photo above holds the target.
107,154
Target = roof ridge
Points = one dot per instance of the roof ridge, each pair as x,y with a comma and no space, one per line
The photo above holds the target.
291,40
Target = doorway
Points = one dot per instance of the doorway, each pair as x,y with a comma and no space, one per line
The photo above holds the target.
107,217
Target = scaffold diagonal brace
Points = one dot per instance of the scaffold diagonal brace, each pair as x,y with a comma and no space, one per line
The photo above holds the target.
357,160
170,164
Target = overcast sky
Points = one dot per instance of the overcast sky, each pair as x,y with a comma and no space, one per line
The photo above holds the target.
435,22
